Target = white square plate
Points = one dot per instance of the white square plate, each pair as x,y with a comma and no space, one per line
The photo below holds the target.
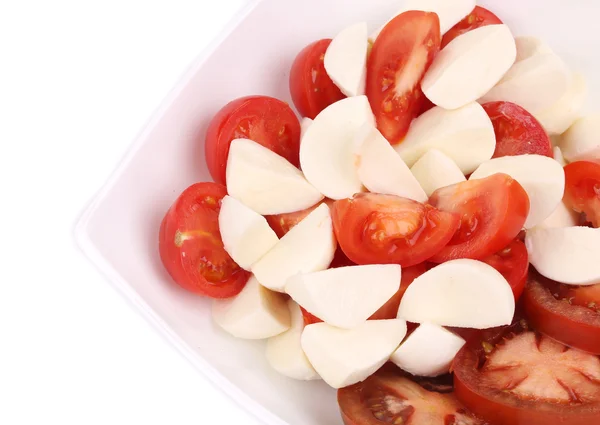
119,231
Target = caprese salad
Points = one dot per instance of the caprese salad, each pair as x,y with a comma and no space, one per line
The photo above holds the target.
417,241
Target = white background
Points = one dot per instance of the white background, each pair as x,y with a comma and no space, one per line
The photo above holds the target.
78,80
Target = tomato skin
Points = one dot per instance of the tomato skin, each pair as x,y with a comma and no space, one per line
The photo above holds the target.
517,131
265,120
385,229
191,248
492,210
480,17
311,88
573,325
283,223
513,263
582,189
402,53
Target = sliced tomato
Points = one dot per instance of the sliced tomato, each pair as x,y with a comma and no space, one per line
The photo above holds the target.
492,212
265,120
401,55
514,376
480,17
385,229
283,223
311,88
513,263
191,248
388,397
569,314
582,190
517,131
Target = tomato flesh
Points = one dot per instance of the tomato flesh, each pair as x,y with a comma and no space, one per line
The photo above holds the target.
513,263
517,131
311,88
492,213
480,17
391,398
582,189
514,376
265,120
569,314
385,229
283,223
400,56
191,248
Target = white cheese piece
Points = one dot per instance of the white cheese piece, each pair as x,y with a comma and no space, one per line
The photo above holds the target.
435,170
582,140
346,59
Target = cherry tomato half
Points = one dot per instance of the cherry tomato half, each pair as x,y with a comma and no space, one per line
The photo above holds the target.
517,131
480,17
311,88
582,189
401,55
265,120
191,248
513,263
385,229
514,376
570,314
283,223
492,213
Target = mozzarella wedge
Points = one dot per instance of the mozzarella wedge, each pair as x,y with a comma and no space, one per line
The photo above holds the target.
557,118
582,140
528,46
266,182
256,313
450,12
469,66
284,351
558,156
344,357
562,216
428,351
460,293
346,59
542,178
567,255
246,235
380,168
533,83
466,135
304,124
327,151
435,170
307,247
345,297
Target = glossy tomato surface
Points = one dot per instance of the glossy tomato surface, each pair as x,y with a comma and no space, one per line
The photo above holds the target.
401,55
283,223
513,263
311,88
386,229
480,17
389,397
191,248
492,213
570,314
517,131
263,119
582,189
515,376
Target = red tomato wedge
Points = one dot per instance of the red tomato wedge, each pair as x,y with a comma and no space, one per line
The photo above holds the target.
283,223
492,212
570,314
480,17
265,120
513,263
311,88
517,131
191,248
390,398
582,190
515,376
398,61
385,229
